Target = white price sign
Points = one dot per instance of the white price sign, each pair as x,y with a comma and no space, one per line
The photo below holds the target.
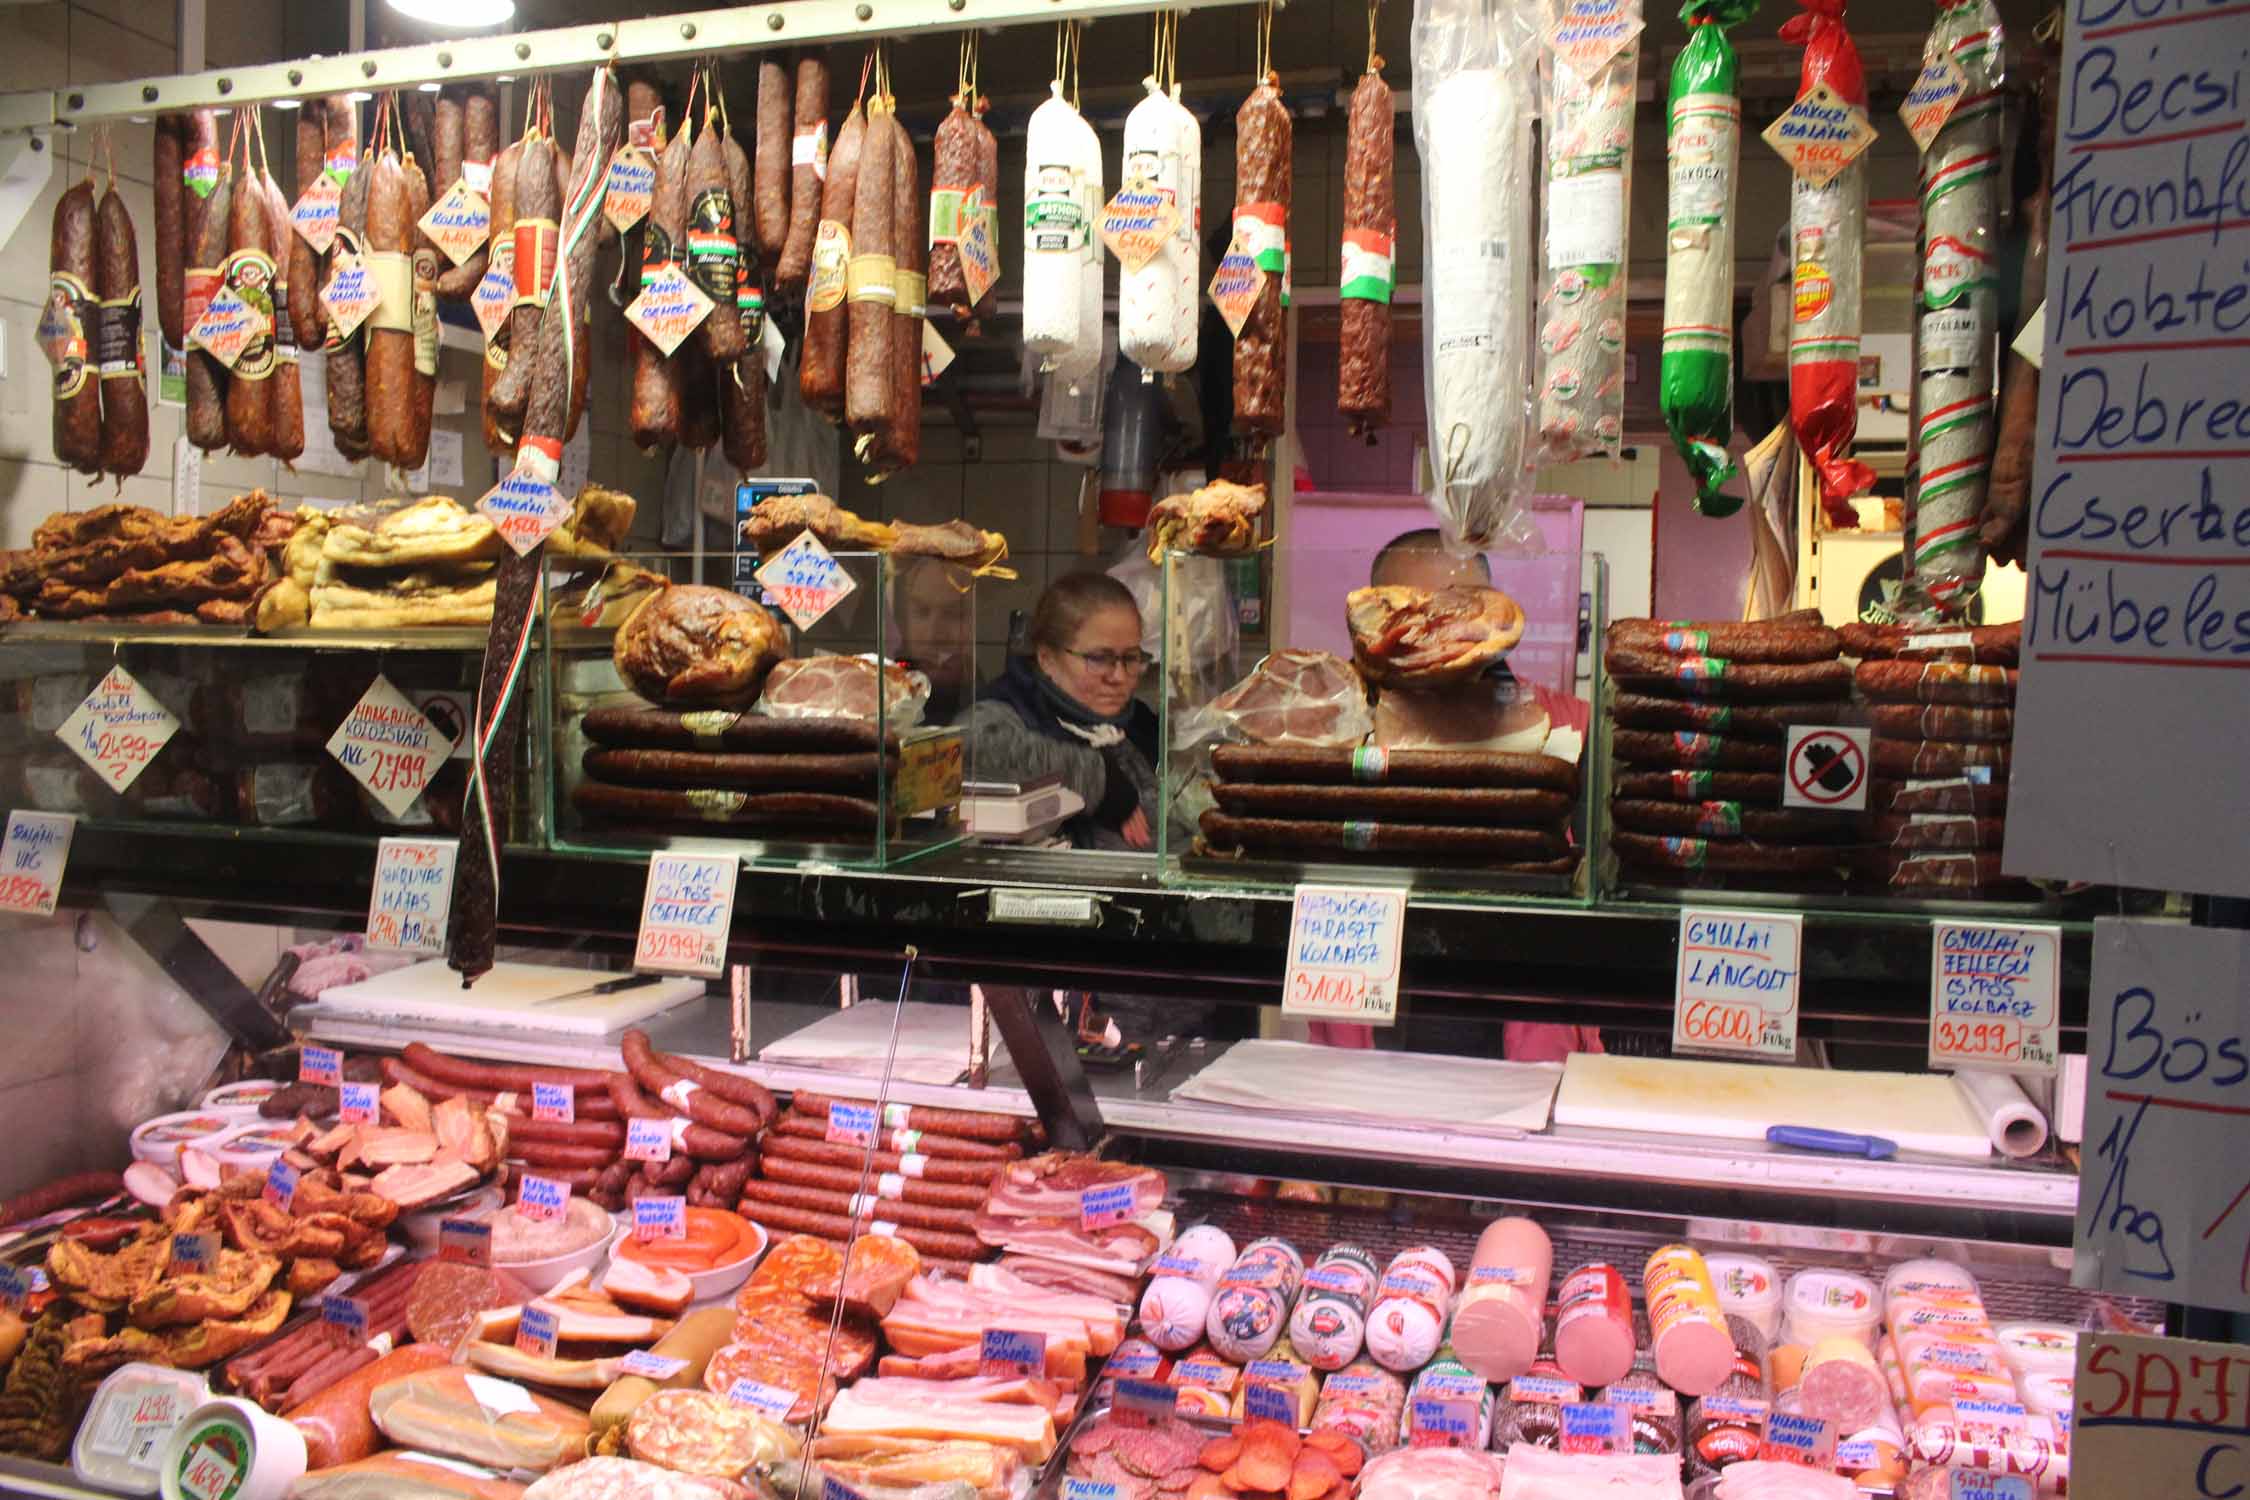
1995,996
1736,986
32,858
1344,954
413,896
389,746
119,729
687,910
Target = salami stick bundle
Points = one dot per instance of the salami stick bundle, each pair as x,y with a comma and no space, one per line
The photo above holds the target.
1828,238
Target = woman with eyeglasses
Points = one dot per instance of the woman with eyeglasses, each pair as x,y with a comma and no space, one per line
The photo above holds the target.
1068,708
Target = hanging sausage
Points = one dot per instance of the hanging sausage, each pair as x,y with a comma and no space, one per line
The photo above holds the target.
1363,344
1056,226
1157,311
1264,177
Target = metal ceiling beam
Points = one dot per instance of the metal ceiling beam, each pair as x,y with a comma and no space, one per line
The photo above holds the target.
651,39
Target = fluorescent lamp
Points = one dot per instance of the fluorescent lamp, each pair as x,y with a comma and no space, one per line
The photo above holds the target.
458,14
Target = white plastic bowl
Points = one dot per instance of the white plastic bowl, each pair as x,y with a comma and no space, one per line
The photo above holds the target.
544,1275
719,1280
423,1224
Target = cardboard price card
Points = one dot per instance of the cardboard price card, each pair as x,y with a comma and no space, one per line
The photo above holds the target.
33,856
1237,285
1932,100
979,245
1736,986
805,580
543,1198
1344,954
412,899
1995,996
317,212
524,508
229,325
118,729
554,1101
458,223
669,308
1586,34
687,910
1820,134
494,298
389,746
632,186
660,1218
351,293
359,1103
1137,222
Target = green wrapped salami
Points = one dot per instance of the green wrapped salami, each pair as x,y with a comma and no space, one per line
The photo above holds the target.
1702,147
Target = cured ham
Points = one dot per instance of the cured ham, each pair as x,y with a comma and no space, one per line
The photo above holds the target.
1296,698
1409,637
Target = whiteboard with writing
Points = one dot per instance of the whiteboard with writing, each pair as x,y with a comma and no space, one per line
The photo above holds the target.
1735,990
2158,1417
2138,606
2164,1194
1344,946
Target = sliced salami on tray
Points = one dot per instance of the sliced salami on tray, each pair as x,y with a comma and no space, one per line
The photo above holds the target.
1514,806
1295,835
1367,765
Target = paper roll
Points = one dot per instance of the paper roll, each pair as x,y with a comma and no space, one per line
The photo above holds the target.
2014,1123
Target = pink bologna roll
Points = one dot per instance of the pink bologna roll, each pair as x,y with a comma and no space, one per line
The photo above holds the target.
1594,1325
1407,1322
1251,1306
1496,1322
1329,1323
1694,1351
1177,1304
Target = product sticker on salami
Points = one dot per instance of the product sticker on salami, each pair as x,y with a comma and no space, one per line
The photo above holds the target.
1137,222
525,507
1012,1354
192,1252
1236,285
33,856
468,1241
805,581
320,1065
632,184
1100,1207
350,296
651,1366
554,1101
1586,34
458,223
494,298
772,1400
687,910
979,245
389,746
1595,1427
1792,1437
1820,135
647,1140
317,212
412,898
669,308
1737,983
851,1124
1343,956
118,729
356,1103
1931,102
1995,996
229,327
538,1330
543,1198
659,1218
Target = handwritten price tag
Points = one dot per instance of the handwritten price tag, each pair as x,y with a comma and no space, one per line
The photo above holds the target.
281,1185
317,212
208,1474
1796,1439
1820,135
346,1317
1237,285
1995,996
358,1103
651,1366
466,1240
554,1101
389,746
1263,1401
669,308
1595,1427
32,858
228,327
687,910
1006,1352
458,223
1932,100
16,1285
543,1198
1736,987
494,297
805,581
632,187
351,293
1137,222
851,1124
1343,956
979,245
412,899
1100,1207
647,1140
320,1065
524,507
194,1252
660,1218
119,729
770,1399
1586,34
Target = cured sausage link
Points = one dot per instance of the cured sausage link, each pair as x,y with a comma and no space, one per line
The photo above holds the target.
838,1227
169,147
390,333
820,376
117,340
1264,175
975,1124
733,1087
1363,357
683,1093
206,377
589,1108
536,228
347,357
500,256
847,1179
806,193
288,403
770,167
892,1210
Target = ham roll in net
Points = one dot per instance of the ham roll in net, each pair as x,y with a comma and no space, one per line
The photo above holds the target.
1475,90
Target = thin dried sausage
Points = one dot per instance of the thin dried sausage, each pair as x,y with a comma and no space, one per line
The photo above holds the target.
1664,674
564,358
711,250
250,276
808,151
1910,681
587,1104
952,1245
1760,788
501,255
461,1072
847,1179
769,218
288,405
837,1154
1727,818
170,148
820,374
390,328
207,253
347,357
870,291
1363,354
479,142
870,1206
704,1142
656,376
117,339
1263,178
1753,721
1993,645
308,321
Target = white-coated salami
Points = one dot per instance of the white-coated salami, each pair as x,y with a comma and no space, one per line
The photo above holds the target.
1156,303
1079,362
1058,229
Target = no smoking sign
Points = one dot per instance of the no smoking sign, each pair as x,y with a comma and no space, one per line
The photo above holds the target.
1827,768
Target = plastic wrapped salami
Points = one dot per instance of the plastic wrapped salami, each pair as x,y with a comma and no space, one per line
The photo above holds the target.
1589,181
1702,149
1056,228
1828,236
1474,96
1725,1426
1959,313
1157,311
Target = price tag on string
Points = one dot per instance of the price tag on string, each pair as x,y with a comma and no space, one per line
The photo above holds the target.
660,1218
1136,223
119,729
229,326
805,581
1995,996
669,308
317,212
1237,285
411,902
687,911
554,1101
458,223
320,1065
33,856
1736,986
1820,135
358,1103
350,295
632,186
979,245
1933,98
524,507
389,746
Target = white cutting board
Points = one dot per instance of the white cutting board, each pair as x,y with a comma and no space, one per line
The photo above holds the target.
1737,1101
505,999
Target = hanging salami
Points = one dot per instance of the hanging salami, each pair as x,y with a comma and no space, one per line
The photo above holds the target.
1958,315
1056,227
1157,309
1591,82
1702,148
1264,177
2008,496
1828,239
1363,353
964,187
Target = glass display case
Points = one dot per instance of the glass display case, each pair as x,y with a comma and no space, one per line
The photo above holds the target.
766,733
1399,728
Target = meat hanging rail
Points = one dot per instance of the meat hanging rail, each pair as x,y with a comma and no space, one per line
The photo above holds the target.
690,34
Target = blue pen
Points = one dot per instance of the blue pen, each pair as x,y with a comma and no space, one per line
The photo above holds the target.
1841,1142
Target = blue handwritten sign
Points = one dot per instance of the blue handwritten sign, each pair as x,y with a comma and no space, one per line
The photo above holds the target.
805,581
687,910
346,1317
466,1240
281,1184
1143,1400
543,1198
1074,1488
1995,996
1980,1484
357,1103
1791,1437
832,1488
651,1366
1006,1351
1440,1424
648,1140
851,1124
1595,1427
770,1399
554,1101
1344,954
1735,987
15,1285
1264,1401
524,508
193,1252
537,1331
660,1218
1135,1359
1099,1207
322,1065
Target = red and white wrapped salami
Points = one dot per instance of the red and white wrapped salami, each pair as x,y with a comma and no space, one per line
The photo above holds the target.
1828,237
1475,91
1957,314
1590,79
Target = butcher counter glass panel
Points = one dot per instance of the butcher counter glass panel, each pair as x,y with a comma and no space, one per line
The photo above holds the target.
323,734
715,713
1430,724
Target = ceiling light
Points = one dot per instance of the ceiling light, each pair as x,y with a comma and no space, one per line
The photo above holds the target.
459,15
287,103
431,88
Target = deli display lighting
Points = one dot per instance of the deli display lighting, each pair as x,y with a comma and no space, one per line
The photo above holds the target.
459,14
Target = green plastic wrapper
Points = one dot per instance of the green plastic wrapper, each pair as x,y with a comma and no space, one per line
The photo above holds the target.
1702,147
